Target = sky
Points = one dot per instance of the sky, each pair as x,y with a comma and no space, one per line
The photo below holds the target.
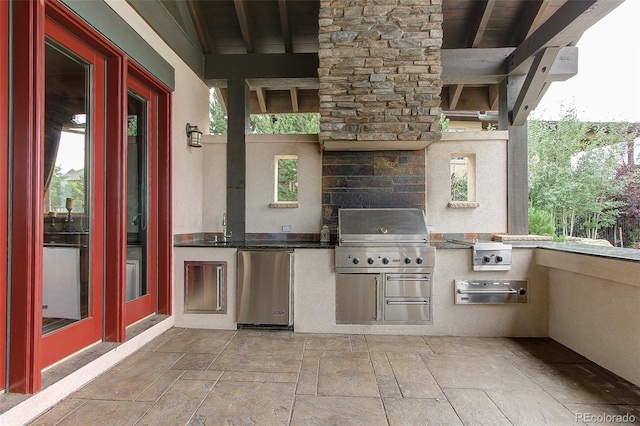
607,86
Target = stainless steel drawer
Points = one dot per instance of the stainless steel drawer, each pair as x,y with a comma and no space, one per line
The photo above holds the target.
408,285
407,310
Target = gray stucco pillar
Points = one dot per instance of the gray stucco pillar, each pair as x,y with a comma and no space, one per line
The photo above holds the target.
238,123
517,158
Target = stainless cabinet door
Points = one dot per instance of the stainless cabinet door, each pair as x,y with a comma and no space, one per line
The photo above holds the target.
357,298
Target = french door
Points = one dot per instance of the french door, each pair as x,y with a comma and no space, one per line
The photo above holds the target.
73,199
142,200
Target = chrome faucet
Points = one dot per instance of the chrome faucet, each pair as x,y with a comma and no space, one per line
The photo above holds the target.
225,237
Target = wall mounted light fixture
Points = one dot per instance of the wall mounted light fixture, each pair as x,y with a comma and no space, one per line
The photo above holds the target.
194,136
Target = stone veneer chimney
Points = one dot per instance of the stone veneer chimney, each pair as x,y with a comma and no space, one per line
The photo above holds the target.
380,73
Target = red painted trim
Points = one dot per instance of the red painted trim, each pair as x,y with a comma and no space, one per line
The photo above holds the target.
4,180
165,233
68,340
27,204
116,190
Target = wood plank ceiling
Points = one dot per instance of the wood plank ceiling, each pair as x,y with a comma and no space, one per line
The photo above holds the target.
482,39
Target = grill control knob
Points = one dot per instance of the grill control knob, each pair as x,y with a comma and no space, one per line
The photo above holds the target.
385,260
356,260
370,261
419,260
486,259
522,291
498,259
407,260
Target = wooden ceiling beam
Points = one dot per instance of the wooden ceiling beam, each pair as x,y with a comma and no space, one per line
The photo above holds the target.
529,20
533,85
482,14
245,27
294,99
454,95
261,93
561,29
488,66
284,24
201,27
494,97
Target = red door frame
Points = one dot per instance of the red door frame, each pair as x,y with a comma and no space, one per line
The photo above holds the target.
62,343
27,205
161,188
26,240
4,181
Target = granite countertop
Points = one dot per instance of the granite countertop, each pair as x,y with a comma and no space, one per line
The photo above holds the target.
596,250
258,244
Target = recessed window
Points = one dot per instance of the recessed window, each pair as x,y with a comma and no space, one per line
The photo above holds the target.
463,180
286,179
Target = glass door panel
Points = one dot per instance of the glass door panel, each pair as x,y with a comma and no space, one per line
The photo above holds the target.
142,131
137,197
67,150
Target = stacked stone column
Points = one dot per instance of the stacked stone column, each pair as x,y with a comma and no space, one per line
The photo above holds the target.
380,70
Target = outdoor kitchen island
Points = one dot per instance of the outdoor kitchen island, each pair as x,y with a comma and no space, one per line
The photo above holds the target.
314,292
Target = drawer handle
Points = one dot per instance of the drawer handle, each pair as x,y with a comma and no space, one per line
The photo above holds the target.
408,279
407,302
460,291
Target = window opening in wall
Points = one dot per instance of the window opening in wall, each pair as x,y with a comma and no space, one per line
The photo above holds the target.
462,169
286,179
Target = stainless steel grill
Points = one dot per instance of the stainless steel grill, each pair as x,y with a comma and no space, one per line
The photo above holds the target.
384,267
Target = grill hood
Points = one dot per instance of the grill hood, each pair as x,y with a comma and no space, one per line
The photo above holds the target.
382,226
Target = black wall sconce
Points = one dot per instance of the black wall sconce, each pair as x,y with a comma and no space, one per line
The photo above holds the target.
194,136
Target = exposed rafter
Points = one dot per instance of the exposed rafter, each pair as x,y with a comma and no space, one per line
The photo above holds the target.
200,26
482,14
262,99
245,27
529,21
284,23
294,99
455,91
561,29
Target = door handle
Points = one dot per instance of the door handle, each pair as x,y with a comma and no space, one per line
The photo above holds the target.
460,291
407,302
219,278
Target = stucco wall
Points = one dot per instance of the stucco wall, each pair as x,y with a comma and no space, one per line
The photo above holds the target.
214,181
490,150
593,309
260,181
190,103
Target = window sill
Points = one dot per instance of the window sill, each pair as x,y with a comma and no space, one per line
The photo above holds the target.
463,204
284,205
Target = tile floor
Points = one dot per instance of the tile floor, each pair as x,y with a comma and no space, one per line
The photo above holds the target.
247,377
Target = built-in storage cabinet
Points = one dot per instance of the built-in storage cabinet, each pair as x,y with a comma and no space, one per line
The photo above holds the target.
383,298
357,298
205,287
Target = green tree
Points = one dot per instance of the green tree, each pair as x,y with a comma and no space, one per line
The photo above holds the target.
217,116
572,173
264,123
288,179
